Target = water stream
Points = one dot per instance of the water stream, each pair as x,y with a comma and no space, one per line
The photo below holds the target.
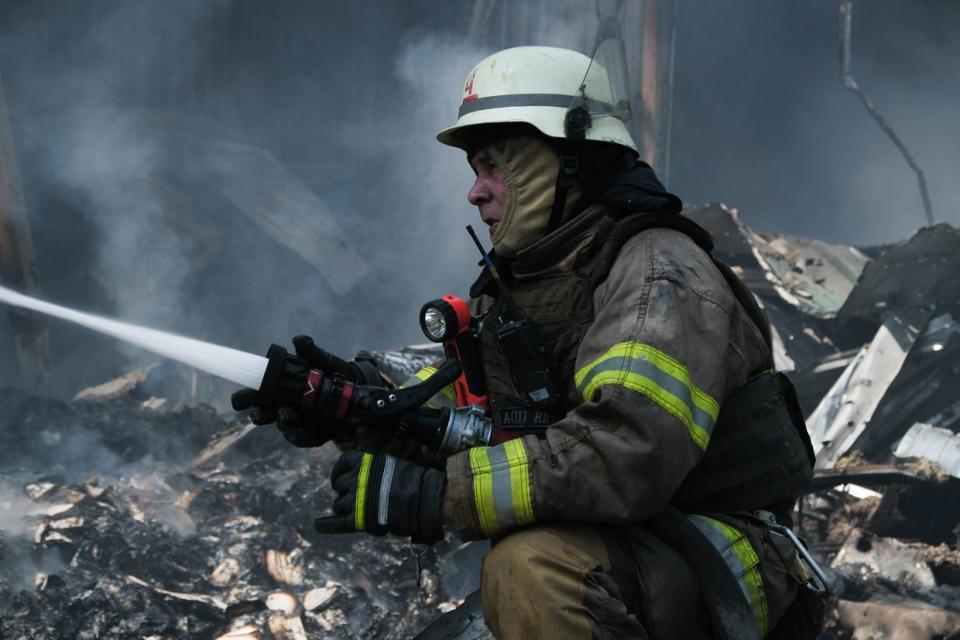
243,368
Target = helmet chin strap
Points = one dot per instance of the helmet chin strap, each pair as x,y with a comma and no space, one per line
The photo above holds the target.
575,124
566,176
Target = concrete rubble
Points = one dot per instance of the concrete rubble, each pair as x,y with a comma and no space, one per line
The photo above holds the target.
124,514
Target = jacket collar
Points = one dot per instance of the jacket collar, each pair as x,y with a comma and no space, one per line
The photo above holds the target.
558,251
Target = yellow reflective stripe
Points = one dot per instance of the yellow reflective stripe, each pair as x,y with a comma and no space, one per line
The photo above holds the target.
362,478
446,397
501,486
758,599
665,399
750,579
427,372
658,376
483,490
669,365
519,480
743,562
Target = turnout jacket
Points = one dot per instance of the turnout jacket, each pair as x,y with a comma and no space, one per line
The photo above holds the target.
668,343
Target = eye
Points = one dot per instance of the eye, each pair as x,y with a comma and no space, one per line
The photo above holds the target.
487,165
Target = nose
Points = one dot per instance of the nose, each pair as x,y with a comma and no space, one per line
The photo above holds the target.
479,192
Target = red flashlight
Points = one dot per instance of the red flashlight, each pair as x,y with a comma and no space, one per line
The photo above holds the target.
447,320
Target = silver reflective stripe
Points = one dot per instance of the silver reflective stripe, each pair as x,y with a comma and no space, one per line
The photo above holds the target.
663,379
389,465
726,549
502,493
532,100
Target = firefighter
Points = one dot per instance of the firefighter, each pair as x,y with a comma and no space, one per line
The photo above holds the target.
635,503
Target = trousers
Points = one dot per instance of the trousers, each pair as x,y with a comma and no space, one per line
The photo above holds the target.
557,581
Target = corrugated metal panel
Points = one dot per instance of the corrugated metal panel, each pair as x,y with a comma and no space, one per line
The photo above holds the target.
846,410
933,443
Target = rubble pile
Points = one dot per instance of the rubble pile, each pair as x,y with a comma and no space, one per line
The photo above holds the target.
119,520
871,340
124,513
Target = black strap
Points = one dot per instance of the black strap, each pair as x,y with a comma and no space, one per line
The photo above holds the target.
749,303
803,619
565,179
730,613
623,569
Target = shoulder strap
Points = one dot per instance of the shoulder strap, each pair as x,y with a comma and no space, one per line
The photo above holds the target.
749,303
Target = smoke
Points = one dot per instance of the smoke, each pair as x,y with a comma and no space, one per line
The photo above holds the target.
162,506
112,167
14,506
244,172
762,122
100,212
87,141
423,181
20,560
206,203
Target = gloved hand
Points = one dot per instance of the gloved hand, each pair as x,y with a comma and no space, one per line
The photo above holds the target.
282,401
381,494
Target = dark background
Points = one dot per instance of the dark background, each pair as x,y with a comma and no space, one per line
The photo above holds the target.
110,100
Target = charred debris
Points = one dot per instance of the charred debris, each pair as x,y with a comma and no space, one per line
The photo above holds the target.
122,516
127,512
871,339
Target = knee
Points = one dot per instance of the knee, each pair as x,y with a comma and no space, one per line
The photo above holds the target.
511,564
510,582
533,571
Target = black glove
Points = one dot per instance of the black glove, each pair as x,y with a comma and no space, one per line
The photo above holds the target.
382,494
280,397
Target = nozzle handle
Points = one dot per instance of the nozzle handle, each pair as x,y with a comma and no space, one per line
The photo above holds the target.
276,366
392,402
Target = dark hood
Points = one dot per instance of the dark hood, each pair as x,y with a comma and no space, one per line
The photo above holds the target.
639,190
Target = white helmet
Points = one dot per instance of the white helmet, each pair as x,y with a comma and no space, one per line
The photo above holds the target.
539,86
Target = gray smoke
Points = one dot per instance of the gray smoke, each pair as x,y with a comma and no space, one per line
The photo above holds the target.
763,123
433,179
186,218
112,164
14,505
169,150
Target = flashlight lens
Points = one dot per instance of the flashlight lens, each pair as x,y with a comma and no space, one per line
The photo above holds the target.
434,324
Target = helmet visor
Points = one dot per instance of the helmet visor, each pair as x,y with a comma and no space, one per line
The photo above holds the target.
605,90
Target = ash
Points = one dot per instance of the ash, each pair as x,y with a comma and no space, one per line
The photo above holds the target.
202,529
121,516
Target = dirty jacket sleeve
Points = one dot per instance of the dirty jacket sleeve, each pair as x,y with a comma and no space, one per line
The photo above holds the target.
668,343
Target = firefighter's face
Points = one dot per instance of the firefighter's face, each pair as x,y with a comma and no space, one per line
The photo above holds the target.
489,191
